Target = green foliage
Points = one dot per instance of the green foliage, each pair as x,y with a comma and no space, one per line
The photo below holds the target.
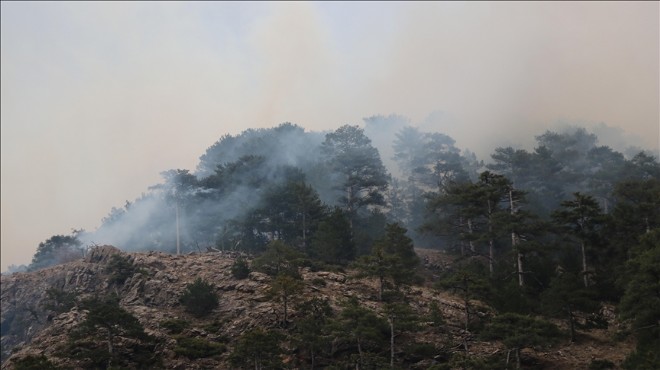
285,289
319,282
332,242
598,364
279,259
392,259
469,281
106,314
581,217
312,329
291,210
518,331
461,360
351,156
31,362
175,326
566,295
195,348
240,269
107,334
435,316
397,244
58,300
199,298
56,250
120,268
642,359
641,301
360,328
257,349
416,351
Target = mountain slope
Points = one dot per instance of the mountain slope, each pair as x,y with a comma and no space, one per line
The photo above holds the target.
151,293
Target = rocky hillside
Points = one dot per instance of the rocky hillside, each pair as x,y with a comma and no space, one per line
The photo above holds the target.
33,327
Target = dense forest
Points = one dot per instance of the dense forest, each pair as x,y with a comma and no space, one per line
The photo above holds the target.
549,233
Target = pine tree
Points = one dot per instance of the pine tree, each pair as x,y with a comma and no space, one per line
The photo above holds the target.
582,217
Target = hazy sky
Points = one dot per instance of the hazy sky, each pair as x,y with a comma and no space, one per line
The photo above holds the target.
99,98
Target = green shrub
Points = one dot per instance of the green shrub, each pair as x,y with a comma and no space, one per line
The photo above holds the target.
31,362
58,301
240,269
120,268
214,327
175,326
194,348
601,364
199,298
318,282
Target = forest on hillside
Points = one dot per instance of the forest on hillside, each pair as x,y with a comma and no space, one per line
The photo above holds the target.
551,232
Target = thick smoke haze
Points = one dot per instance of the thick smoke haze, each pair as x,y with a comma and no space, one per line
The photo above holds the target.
99,98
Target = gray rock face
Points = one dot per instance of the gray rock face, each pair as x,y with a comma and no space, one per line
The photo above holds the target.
152,294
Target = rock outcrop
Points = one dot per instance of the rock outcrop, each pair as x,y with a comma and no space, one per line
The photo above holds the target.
151,293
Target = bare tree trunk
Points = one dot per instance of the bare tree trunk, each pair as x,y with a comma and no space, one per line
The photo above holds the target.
571,322
359,352
304,230
312,353
491,247
585,271
521,279
466,301
469,223
491,257
517,358
514,242
380,288
285,299
391,320
111,348
178,249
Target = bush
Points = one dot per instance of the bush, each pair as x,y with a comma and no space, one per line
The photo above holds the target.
194,348
175,326
199,298
257,348
240,269
58,301
30,362
318,282
601,365
120,269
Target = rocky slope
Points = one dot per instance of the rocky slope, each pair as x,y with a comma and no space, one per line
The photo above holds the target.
152,295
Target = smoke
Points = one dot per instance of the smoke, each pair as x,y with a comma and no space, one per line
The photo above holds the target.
98,98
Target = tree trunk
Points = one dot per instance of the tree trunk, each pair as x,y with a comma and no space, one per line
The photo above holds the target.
514,243
176,207
312,354
304,230
571,322
380,288
491,247
359,352
517,358
285,299
521,279
469,223
111,348
585,272
491,257
391,320
467,304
